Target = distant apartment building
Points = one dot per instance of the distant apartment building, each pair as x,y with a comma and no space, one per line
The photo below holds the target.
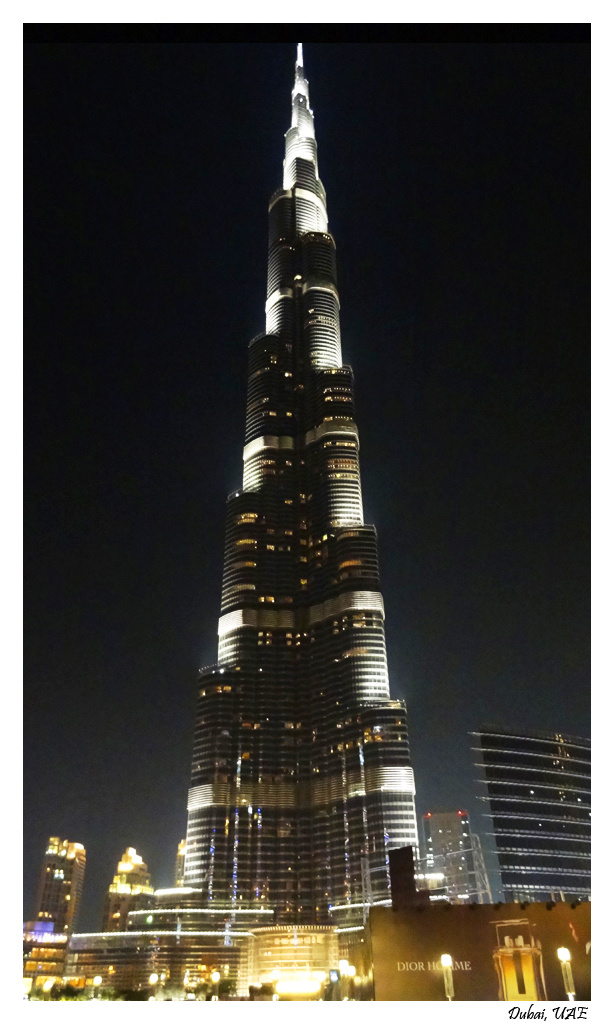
538,798
61,885
452,867
130,889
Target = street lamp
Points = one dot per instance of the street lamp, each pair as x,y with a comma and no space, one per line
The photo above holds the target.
215,978
446,966
565,956
347,972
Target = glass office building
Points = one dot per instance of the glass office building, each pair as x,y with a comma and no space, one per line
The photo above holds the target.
539,803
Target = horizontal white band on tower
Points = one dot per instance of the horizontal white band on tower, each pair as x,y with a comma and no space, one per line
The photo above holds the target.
279,195
320,286
199,796
336,425
312,197
319,792
398,779
354,600
281,293
268,441
275,618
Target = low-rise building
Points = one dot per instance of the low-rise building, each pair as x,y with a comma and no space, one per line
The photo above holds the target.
44,952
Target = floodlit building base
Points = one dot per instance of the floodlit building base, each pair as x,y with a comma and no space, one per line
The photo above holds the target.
296,961
282,961
178,960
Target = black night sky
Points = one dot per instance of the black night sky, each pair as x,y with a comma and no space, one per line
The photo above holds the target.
457,176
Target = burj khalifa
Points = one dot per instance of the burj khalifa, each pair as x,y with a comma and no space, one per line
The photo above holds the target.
301,779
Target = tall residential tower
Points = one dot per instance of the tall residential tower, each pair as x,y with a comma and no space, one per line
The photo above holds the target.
301,780
60,884
452,858
131,889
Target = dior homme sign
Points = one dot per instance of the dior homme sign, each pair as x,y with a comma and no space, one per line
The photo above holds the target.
431,965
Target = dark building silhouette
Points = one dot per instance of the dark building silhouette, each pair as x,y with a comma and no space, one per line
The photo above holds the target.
301,781
539,804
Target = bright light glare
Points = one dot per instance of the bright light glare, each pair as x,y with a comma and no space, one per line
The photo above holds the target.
153,979
446,960
563,954
297,986
215,977
97,980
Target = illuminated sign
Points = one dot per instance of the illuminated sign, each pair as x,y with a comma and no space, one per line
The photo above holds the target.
505,951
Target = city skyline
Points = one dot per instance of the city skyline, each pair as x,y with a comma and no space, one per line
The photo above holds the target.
476,420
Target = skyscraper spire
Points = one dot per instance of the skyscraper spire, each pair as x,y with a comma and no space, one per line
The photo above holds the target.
301,778
301,142
299,54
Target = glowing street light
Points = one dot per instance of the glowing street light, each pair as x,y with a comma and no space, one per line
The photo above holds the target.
446,966
215,978
565,957
153,978
346,971
96,982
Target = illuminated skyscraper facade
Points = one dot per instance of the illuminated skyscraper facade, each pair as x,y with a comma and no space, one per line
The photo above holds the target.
301,779
131,889
61,884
